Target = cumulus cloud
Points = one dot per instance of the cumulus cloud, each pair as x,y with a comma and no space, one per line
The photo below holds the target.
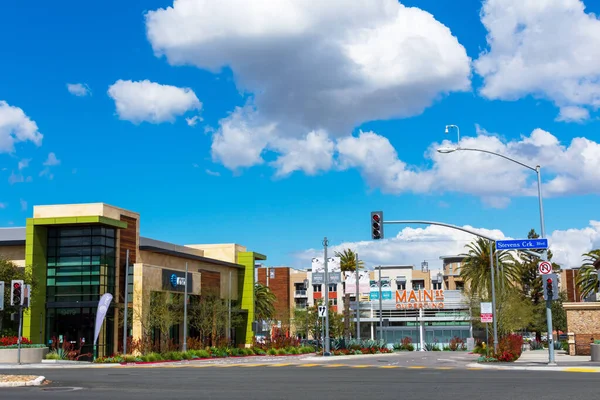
193,121
79,89
310,154
152,102
567,170
311,67
411,246
546,48
16,126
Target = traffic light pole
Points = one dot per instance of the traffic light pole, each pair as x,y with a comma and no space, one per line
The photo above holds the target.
20,333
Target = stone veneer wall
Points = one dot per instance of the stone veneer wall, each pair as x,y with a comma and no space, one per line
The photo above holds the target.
583,319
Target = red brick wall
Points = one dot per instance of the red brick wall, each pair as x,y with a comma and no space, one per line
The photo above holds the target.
279,285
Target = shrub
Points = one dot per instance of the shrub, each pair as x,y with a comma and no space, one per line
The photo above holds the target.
487,359
509,348
535,345
457,343
129,358
565,346
13,341
282,352
249,352
272,352
295,350
258,351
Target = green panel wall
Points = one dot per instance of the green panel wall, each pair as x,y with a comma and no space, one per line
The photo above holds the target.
36,240
35,260
246,293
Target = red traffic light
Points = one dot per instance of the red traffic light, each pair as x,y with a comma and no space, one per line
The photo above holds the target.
549,281
17,285
376,217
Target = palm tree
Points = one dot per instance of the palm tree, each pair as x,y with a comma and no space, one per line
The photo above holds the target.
476,271
587,277
348,260
264,302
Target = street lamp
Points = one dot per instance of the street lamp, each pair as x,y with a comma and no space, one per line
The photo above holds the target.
544,255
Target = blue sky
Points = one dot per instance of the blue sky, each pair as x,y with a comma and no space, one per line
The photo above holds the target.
144,156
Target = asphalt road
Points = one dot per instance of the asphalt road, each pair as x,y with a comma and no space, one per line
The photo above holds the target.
302,383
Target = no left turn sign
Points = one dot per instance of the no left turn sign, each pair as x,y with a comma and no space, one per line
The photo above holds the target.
545,267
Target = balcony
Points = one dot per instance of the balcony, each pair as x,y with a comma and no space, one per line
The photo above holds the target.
300,293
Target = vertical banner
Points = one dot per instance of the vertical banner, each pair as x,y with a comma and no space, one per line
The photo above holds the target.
101,313
363,282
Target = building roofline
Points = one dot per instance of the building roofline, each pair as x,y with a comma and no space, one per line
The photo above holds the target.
454,256
160,247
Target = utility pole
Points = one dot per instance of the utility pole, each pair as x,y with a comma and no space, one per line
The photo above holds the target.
326,347
357,301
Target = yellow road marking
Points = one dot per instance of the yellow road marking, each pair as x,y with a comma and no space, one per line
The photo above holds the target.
251,365
334,365
389,366
416,367
278,365
579,369
361,366
444,368
474,369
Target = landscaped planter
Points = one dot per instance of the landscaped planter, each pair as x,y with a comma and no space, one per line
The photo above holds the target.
28,355
595,352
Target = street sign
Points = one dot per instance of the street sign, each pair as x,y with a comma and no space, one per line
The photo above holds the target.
545,267
322,311
522,244
487,315
1,296
318,278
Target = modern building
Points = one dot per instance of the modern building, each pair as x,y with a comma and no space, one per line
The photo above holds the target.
451,271
413,304
79,252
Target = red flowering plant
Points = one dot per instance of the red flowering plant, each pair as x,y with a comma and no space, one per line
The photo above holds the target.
6,341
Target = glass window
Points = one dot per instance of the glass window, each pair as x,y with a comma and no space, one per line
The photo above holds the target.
333,287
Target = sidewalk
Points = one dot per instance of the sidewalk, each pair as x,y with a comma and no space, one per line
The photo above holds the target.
537,360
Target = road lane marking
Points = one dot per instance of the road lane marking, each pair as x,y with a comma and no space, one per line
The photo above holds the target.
279,365
416,367
581,369
361,366
389,366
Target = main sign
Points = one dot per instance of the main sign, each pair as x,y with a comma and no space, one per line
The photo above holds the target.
522,244
322,311
415,299
175,280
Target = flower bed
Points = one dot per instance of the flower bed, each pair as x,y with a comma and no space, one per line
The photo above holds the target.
209,352
509,350
30,353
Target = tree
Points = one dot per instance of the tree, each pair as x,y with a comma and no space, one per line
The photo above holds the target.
476,269
165,311
348,264
264,302
587,277
348,260
209,315
10,271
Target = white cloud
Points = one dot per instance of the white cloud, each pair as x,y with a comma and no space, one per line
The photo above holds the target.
23,205
311,154
573,114
413,245
193,121
79,89
151,102
51,160
567,170
24,163
212,173
16,127
313,68
241,139
547,48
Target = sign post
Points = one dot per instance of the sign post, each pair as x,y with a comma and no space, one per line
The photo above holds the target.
1,296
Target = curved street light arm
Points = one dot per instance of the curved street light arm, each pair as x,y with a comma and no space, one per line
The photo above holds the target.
441,224
500,155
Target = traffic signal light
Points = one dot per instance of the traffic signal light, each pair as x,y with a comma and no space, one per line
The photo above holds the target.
16,293
377,225
550,283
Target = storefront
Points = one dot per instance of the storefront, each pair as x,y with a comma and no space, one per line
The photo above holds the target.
79,252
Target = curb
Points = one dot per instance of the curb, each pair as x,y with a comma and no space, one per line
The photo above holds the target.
347,357
35,382
532,368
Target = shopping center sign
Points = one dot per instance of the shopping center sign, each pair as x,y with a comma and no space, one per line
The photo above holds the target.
415,299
